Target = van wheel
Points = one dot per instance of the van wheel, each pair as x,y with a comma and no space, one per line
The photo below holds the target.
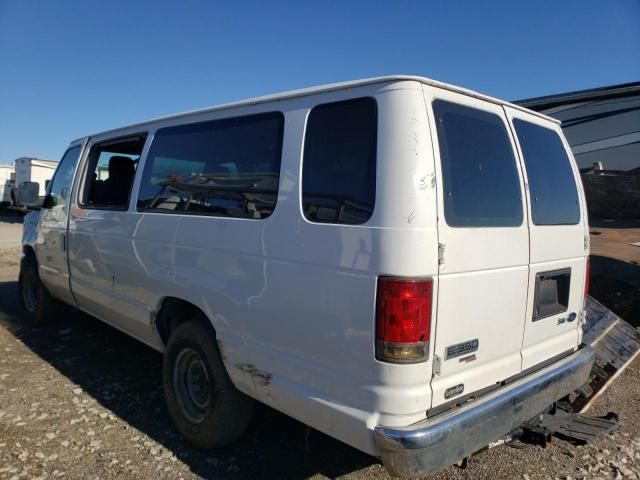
205,407
36,301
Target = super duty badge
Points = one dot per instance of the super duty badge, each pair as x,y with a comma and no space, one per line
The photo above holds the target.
454,391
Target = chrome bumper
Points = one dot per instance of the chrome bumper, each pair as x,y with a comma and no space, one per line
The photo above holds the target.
436,443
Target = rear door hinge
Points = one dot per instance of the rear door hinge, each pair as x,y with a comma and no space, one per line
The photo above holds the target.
586,243
441,249
435,370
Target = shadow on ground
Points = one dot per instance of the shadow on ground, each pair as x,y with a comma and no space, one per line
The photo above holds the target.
125,377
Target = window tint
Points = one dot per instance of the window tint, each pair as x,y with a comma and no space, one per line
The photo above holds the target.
227,167
111,169
481,183
61,183
339,169
552,186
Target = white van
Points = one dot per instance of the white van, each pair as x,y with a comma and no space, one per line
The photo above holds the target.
396,262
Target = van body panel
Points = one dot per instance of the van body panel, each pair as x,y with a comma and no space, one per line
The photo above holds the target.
52,240
553,248
104,272
483,280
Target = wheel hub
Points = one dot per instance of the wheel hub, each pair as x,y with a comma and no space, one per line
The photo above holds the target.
191,385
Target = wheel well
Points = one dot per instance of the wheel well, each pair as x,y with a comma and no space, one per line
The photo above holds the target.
28,251
174,311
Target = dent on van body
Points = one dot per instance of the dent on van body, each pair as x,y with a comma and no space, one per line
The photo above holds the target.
30,230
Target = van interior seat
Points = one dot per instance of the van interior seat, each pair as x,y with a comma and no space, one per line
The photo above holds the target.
118,185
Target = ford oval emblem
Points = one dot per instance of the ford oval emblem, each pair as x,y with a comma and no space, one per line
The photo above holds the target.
572,316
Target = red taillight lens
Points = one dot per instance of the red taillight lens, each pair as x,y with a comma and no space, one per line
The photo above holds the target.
403,319
586,277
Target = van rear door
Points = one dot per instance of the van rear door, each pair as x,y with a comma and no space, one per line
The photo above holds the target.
484,246
558,229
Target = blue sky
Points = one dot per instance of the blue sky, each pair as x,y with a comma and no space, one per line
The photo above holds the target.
70,68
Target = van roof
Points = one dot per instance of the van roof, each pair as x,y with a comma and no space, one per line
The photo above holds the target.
328,88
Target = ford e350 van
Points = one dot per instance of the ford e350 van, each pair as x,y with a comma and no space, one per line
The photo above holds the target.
396,262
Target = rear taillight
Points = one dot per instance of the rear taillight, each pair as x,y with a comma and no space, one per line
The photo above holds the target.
403,319
586,277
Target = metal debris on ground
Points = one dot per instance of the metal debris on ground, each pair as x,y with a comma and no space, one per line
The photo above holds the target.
616,343
574,427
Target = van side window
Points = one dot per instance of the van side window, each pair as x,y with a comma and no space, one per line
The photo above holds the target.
110,171
228,167
552,185
339,166
479,173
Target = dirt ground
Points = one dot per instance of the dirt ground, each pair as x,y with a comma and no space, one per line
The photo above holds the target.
80,400
613,239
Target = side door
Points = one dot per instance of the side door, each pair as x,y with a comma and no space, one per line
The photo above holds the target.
483,246
101,255
557,229
51,244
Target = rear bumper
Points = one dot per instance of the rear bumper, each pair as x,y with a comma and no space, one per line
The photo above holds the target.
436,443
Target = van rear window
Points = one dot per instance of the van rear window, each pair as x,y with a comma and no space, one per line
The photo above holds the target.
228,167
339,166
479,173
552,185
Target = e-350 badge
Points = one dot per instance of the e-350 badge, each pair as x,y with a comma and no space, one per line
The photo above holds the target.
460,349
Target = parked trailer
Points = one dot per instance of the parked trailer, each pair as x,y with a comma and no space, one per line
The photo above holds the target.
7,180
36,170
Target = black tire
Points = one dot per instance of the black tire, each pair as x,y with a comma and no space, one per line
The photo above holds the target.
37,303
213,413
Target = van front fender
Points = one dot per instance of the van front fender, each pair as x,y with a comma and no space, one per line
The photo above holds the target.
30,230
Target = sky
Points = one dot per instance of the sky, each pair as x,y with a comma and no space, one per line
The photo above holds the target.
69,68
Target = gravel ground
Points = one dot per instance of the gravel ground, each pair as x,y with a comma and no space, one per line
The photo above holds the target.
10,230
79,399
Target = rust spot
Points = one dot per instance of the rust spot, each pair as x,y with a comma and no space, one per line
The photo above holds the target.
259,377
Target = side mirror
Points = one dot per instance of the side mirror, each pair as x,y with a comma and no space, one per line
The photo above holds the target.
28,194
